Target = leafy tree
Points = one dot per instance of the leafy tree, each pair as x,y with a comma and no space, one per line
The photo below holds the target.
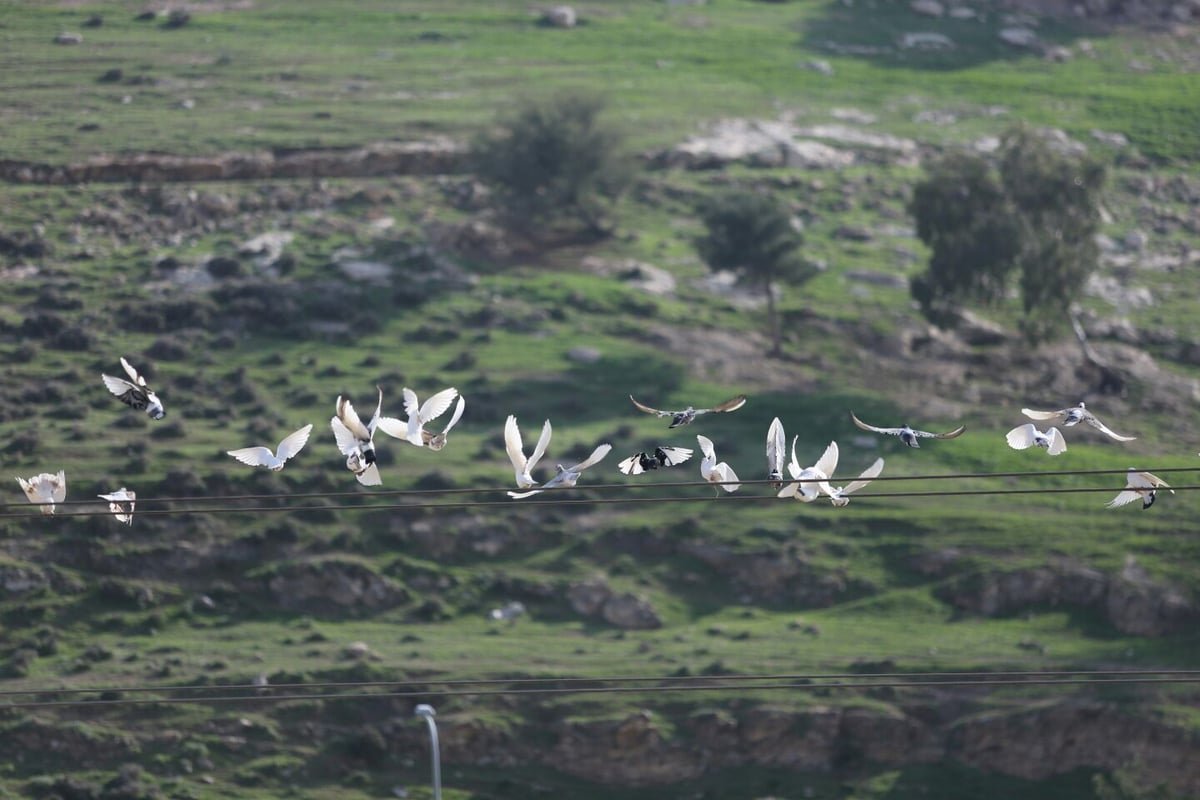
751,233
554,160
1035,216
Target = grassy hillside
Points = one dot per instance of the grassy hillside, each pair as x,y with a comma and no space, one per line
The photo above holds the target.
243,351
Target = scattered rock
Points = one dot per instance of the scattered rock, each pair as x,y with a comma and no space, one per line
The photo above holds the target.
929,8
925,40
582,354
818,65
753,142
67,37
559,17
1019,37
638,274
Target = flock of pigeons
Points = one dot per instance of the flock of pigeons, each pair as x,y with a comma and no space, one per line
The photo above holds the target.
356,441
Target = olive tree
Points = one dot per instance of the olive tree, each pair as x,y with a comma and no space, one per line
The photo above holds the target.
1033,215
554,160
751,233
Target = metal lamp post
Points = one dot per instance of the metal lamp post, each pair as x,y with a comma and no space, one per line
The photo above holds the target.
426,711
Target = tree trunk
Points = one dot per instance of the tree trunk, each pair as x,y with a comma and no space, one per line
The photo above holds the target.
773,322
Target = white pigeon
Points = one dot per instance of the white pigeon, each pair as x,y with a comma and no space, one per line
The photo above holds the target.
292,444
1027,435
720,474
840,495
413,431
357,441
1140,485
776,453
1074,416
811,481
121,503
134,392
522,466
46,489
567,476
908,435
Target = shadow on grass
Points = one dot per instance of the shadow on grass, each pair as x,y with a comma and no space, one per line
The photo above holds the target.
878,35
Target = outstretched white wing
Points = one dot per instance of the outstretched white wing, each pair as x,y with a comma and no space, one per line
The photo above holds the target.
866,427
1090,419
293,443
137,379
827,464
345,439
595,458
457,415
255,456
706,448
351,421
1058,443
865,477
649,410
776,447
118,386
1043,415
1022,436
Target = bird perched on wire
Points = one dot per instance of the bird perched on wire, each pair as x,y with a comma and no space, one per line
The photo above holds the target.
121,503
1140,485
134,392
1027,435
45,489
356,440
522,466
638,463
1074,416
567,476
810,482
908,435
720,474
260,456
689,414
776,453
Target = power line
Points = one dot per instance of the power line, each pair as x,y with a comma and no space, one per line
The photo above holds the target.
714,684
667,679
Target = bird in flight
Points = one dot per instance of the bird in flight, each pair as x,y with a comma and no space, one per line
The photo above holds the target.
840,496
1140,485
1028,435
908,435
638,463
45,489
292,444
1074,416
567,476
121,503
134,392
810,482
413,431
720,474
356,440
522,466
689,414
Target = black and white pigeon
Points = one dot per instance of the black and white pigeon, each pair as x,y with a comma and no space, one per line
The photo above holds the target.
1140,485
134,392
776,453
260,456
1074,416
522,466
567,476
419,414
908,435
638,463
45,489
357,441
689,414
121,503
1027,435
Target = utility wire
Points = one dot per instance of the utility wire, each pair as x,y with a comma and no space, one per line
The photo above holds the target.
660,679
552,691
634,485
544,502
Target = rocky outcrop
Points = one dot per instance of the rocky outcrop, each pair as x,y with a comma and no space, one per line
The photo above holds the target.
1130,600
331,583
431,157
775,576
625,610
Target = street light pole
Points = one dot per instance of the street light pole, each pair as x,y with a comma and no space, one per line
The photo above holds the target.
426,711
